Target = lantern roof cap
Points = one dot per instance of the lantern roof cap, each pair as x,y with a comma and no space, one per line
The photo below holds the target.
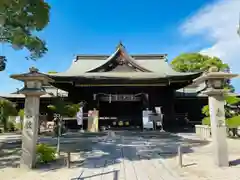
32,75
212,74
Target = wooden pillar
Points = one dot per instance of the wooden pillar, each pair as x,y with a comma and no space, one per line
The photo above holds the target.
168,109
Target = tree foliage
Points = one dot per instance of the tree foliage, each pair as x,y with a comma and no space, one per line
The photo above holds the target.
45,153
21,114
3,61
195,62
21,19
232,118
52,72
63,108
7,108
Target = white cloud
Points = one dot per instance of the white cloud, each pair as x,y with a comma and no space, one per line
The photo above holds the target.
217,23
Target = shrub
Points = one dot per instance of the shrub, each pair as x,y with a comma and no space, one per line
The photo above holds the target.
11,126
18,126
21,113
205,111
7,109
233,122
206,121
45,153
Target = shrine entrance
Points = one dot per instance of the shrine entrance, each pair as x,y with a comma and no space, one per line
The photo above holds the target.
122,111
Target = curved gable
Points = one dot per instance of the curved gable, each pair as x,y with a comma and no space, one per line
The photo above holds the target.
120,61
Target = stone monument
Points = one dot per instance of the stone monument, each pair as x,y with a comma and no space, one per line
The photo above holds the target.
215,91
33,81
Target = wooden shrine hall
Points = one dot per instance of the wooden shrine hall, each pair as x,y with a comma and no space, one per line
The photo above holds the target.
121,85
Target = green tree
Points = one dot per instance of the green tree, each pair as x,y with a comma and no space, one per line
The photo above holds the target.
7,108
19,22
52,72
63,108
196,62
3,61
232,117
21,113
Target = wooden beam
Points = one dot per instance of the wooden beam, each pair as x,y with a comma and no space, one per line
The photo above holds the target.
105,85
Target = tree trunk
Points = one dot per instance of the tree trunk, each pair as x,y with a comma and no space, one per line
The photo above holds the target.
4,121
21,125
39,125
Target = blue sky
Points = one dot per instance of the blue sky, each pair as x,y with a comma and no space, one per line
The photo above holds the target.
90,26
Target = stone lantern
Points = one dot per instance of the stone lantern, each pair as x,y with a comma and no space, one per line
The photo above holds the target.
215,91
33,81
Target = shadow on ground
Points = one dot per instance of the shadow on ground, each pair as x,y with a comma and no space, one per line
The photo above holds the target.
10,155
81,177
127,145
234,162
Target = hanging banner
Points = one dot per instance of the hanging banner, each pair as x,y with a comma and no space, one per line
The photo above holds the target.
80,116
147,123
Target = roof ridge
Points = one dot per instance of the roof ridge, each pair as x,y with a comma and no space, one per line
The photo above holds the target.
134,56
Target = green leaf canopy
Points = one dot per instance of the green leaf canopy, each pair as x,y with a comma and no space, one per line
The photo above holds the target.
195,62
64,108
20,20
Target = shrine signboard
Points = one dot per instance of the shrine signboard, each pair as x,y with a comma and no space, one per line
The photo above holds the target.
120,97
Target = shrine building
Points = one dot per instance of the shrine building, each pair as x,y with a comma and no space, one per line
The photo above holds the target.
122,85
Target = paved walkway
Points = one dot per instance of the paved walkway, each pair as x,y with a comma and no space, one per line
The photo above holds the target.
199,164
114,158
9,137
128,156
126,162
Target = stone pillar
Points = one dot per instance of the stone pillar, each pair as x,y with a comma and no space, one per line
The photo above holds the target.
32,90
30,131
218,128
214,81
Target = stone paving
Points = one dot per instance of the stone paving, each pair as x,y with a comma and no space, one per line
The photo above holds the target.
130,156
124,157
199,165
9,137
